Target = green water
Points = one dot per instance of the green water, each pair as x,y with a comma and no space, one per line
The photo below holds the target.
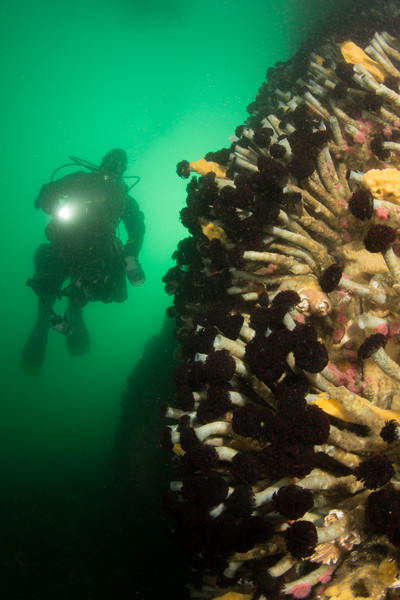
166,80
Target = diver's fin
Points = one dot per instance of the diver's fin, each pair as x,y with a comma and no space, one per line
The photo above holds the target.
78,341
34,351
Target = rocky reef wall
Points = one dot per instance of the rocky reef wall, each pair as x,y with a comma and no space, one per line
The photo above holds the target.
285,421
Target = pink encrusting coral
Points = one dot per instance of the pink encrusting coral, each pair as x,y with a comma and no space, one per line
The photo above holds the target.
286,295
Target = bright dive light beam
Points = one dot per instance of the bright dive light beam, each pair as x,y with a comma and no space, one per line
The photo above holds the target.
65,212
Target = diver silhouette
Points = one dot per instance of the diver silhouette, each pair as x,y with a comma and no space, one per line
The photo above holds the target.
85,208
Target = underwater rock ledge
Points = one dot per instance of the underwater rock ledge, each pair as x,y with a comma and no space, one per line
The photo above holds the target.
134,524
286,418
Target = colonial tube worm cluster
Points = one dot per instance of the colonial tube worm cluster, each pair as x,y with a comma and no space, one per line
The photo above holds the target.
286,423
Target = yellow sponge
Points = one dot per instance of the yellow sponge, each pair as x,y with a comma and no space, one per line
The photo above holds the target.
384,184
354,55
203,166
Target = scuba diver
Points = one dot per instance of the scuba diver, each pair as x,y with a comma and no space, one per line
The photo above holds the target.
85,208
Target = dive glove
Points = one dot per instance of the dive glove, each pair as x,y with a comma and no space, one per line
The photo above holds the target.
134,271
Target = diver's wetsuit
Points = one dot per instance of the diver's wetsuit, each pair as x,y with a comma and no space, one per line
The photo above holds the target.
83,244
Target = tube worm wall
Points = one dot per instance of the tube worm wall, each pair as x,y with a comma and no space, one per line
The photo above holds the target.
286,420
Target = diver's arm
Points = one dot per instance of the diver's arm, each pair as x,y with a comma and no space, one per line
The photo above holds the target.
47,198
133,220
50,193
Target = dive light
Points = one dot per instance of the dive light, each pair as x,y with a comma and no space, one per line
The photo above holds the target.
70,209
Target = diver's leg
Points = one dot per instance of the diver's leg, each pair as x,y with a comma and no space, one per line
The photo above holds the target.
34,350
78,341
48,279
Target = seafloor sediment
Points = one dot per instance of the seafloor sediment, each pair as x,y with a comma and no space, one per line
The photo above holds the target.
286,295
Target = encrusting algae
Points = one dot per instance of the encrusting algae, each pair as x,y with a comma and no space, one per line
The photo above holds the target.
286,423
